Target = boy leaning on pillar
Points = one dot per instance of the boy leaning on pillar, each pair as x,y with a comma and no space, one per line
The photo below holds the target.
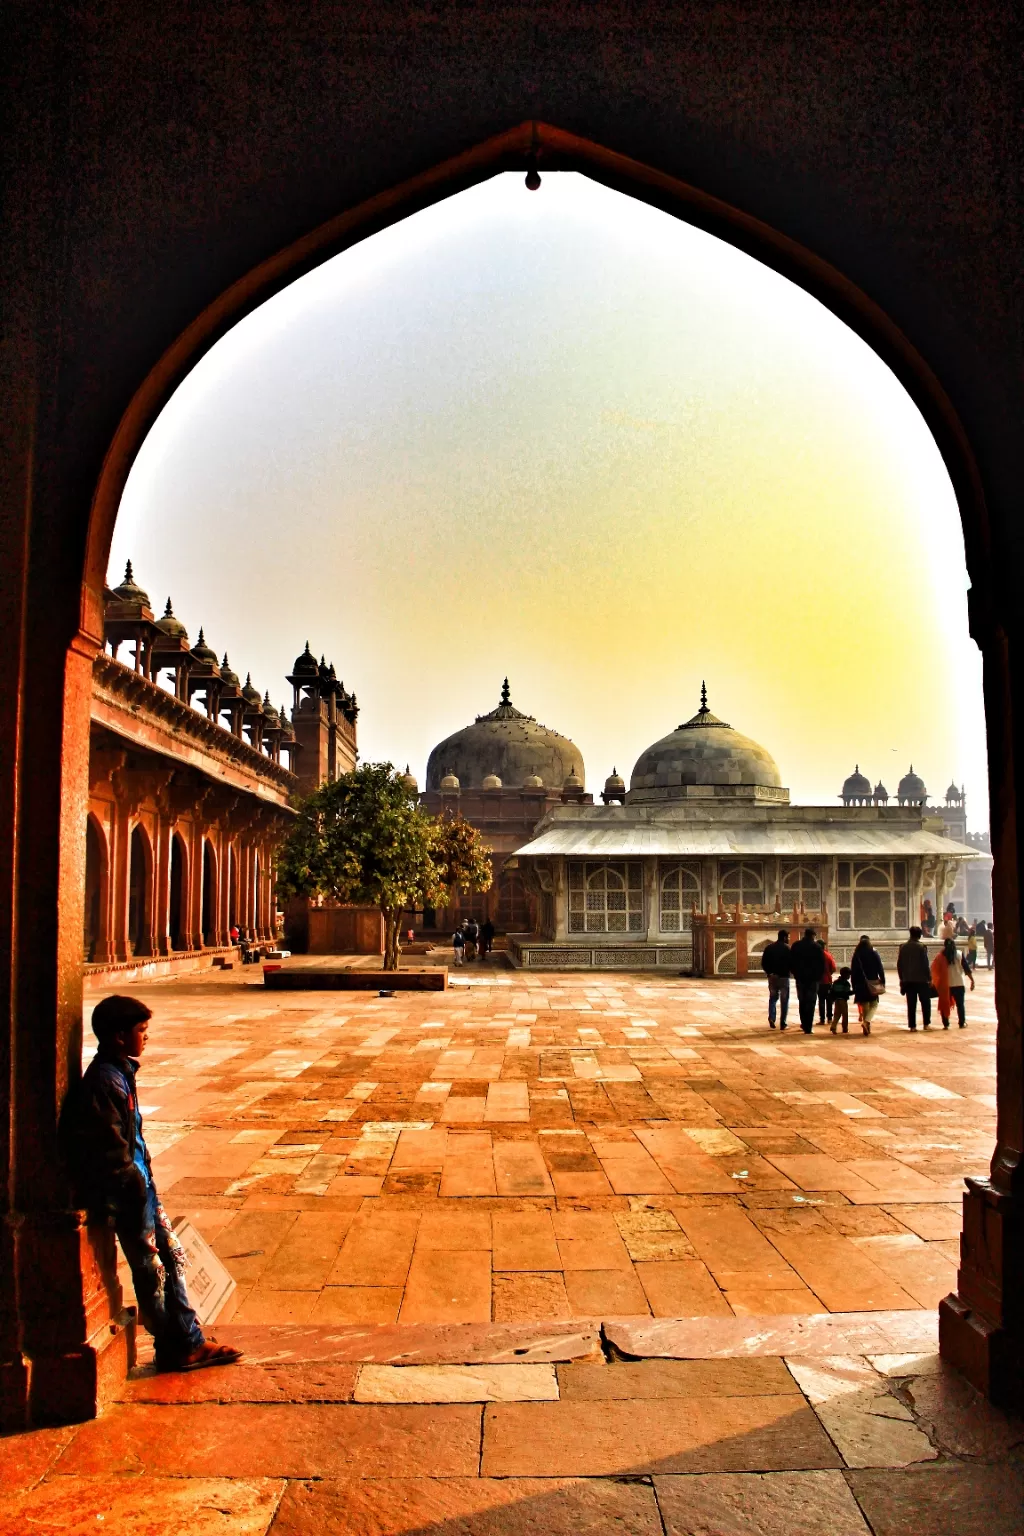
110,1165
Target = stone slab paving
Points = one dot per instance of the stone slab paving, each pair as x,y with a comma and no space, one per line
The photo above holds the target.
552,1253
756,1445
528,1147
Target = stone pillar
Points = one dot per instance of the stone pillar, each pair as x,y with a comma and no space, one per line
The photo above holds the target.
652,869
981,1327
64,1335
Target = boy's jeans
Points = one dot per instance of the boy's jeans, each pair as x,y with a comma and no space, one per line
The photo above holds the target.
156,1260
778,992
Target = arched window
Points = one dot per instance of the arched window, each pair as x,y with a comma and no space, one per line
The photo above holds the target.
606,898
679,888
95,883
138,894
872,894
513,905
800,885
741,881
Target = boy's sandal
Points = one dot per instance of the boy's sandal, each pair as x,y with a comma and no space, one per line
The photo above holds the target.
206,1354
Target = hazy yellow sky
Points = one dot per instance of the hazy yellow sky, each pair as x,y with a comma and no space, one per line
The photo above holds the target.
563,436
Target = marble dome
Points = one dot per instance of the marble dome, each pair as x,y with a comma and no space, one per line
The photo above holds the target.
703,751
507,745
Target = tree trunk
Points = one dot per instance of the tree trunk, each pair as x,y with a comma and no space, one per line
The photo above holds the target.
392,924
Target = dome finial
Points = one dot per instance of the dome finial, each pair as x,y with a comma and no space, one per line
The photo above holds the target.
506,696
129,575
703,698
168,611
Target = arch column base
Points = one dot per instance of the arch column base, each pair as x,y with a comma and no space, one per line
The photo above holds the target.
981,1328
73,1343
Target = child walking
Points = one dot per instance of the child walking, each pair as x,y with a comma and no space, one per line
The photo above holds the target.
840,993
110,1162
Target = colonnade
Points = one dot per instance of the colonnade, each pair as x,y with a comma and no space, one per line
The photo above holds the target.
173,861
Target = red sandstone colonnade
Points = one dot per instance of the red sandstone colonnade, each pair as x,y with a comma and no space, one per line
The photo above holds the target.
223,849
57,1343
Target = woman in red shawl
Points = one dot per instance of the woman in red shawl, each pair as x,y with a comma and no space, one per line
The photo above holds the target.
948,981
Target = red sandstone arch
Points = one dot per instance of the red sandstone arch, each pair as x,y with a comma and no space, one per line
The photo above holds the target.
977,1341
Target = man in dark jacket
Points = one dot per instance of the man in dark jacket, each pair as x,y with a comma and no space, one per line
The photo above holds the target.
914,971
775,964
110,1165
807,967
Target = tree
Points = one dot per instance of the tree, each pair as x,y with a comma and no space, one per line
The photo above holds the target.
364,839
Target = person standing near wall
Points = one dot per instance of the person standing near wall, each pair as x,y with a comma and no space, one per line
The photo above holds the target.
914,972
825,986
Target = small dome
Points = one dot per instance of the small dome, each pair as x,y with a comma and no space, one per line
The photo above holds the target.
227,676
573,780
171,626
287,729
129,591
251,694
270,713
507,743
449,782
856,787
614,782
202,652
952,793
409,780
491,781
911,789
533,781
881,793
305,665
702,751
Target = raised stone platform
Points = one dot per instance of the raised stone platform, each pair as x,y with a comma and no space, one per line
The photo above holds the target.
315,978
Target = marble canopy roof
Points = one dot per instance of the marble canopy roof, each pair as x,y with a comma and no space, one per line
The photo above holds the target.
738,839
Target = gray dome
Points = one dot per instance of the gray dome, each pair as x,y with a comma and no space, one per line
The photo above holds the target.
911,789
702,751
508,744
856,787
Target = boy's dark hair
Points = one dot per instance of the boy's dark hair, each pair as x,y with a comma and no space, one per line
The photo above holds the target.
915,933
783,935
116,1015
845,972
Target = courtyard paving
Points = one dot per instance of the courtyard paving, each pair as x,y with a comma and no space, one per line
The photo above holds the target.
552,1253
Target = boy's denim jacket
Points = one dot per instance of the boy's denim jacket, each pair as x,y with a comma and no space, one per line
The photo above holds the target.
98,1127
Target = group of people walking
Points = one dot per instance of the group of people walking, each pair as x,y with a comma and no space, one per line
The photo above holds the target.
825,988
473,939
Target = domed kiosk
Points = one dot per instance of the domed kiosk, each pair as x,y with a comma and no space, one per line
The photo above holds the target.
502,774
707,859
703,753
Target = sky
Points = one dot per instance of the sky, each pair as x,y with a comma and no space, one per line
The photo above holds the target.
567,438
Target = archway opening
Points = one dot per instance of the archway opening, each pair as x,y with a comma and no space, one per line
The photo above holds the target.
139,899
95,890
177,918
210,895
887,344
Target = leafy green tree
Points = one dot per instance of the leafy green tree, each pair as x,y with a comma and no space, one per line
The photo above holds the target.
363,839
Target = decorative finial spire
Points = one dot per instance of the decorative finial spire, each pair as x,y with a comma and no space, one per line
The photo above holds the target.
128,573
202,637
506,696
703,698
168,611
225,661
